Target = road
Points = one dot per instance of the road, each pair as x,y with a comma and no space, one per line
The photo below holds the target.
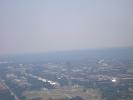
12,93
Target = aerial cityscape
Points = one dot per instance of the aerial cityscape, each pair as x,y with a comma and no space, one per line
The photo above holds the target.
66,49
82,75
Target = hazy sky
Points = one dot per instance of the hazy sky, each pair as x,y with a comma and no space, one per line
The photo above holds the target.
52,25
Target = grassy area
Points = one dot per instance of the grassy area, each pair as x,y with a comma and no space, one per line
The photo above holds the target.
89,94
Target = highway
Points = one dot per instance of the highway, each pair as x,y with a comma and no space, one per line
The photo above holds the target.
12,93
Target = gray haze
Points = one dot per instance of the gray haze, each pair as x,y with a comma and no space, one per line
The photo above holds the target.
55,25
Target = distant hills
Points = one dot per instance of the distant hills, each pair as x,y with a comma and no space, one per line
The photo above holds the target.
76,55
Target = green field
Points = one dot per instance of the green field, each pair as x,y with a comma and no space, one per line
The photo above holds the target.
57,94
